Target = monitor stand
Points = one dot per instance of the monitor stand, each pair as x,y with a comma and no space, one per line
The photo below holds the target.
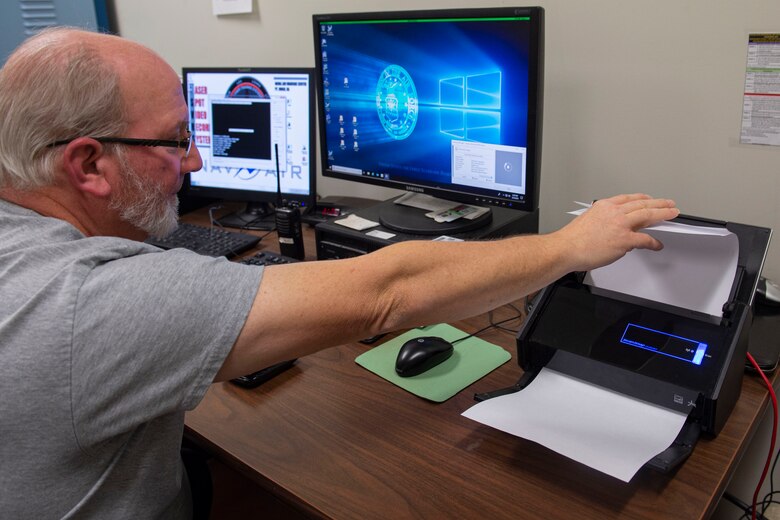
256,215
413,221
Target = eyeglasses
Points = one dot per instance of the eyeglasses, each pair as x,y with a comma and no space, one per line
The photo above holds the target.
182,144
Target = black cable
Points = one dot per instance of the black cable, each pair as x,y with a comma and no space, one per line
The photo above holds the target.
753,509
250,226
271,231
246,227
483,329
767,501
745,507
769,497
772,476
506,329
738,503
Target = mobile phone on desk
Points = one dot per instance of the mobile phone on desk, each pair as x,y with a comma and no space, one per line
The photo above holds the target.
261,376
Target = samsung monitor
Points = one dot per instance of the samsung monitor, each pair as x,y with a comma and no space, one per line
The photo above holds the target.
442,102
241,117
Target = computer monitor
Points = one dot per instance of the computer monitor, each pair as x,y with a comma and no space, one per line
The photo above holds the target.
443,102
240,118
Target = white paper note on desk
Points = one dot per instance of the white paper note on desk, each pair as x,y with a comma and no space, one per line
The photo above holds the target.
358,223
605,430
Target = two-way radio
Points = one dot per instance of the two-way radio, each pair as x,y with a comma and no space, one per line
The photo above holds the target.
288,221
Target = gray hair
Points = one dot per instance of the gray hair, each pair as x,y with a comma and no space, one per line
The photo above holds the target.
55,86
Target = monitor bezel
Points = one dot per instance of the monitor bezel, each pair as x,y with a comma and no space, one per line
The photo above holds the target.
252,196
535,102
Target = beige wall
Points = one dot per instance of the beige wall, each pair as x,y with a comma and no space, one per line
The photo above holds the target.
641,95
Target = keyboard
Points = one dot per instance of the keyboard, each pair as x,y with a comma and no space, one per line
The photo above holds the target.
211,241
267,258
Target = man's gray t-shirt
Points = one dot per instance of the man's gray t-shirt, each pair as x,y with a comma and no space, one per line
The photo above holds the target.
104,343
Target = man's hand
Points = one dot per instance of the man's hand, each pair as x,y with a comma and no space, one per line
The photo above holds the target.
610,229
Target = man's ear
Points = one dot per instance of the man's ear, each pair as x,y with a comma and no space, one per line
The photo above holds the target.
87,168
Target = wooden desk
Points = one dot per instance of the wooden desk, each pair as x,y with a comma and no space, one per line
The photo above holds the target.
333,440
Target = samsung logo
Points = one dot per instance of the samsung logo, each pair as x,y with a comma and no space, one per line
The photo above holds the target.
414,188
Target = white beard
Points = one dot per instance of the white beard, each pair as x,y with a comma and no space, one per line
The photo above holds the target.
143,203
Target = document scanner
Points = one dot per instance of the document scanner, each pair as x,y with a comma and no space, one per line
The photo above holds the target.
669,356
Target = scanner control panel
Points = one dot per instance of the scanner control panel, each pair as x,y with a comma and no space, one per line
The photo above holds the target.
663,343
681,350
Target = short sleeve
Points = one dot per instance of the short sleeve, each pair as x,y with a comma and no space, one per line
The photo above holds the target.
150,332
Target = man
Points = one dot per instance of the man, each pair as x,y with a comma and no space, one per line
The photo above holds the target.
106,341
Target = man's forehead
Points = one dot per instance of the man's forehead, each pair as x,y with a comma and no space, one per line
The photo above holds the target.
152,91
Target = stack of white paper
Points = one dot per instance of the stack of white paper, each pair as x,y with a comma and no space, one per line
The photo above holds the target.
608,431
695,269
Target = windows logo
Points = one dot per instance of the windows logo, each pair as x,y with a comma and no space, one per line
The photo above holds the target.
471,107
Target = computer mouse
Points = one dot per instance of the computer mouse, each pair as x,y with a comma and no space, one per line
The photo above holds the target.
421,354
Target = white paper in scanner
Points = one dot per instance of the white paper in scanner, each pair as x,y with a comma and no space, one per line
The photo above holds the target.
605,430
695,270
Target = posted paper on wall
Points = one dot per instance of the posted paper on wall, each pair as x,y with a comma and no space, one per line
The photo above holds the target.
605,430
761,101
220,7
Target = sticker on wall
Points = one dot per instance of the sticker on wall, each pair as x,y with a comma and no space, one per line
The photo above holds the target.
761,101
219,7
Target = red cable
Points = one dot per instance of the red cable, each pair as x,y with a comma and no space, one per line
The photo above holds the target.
774,432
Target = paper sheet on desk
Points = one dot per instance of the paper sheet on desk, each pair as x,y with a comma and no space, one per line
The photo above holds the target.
695,269
605,430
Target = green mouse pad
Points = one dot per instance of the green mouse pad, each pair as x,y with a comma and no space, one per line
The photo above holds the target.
472,359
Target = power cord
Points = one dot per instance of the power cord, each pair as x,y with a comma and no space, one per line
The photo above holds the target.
769,497
492,325
519,316
745,507
751,511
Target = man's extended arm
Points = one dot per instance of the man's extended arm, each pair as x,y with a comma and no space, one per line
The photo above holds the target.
304,307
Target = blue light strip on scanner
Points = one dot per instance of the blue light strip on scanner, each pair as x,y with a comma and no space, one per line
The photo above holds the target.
664,343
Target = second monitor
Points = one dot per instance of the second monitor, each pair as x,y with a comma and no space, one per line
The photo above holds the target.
239,117
443,102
